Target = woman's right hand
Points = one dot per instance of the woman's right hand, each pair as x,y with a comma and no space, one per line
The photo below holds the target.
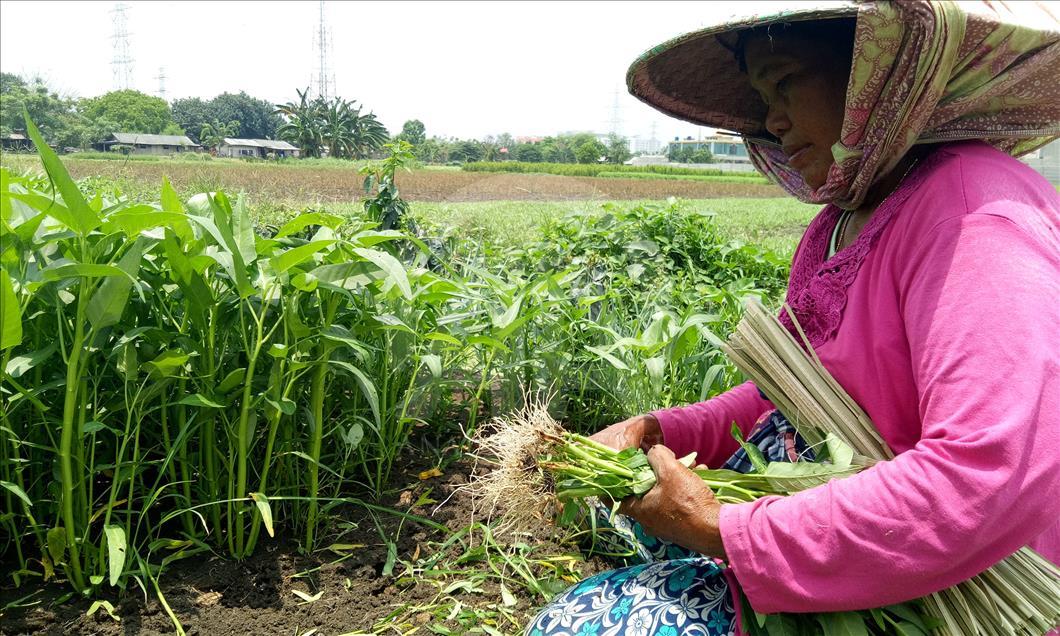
641,431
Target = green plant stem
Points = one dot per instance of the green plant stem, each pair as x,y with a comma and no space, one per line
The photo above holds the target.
70,409
316,409
277,393
209,438
243,433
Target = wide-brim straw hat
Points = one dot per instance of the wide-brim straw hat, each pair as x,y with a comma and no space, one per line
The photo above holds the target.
695,76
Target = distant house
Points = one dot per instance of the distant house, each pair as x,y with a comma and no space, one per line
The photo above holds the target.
724,147
15,141
144,144
259,148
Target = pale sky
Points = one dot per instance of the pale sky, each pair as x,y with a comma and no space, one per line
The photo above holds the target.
466,69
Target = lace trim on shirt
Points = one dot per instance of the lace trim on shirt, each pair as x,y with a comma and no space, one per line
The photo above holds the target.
817,287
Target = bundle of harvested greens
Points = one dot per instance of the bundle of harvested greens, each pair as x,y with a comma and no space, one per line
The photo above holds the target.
536,465
1019,595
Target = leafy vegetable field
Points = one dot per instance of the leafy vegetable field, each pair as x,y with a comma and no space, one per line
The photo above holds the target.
206,422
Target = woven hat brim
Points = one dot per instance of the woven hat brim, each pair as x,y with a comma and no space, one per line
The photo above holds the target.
695,77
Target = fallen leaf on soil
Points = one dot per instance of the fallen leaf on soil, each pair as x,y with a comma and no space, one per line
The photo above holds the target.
507,597
405,500
307,597
343,548
427,474
206,599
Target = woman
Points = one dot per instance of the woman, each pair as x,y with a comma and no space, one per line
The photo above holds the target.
929,286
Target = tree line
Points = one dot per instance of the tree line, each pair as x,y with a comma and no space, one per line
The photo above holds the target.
335,127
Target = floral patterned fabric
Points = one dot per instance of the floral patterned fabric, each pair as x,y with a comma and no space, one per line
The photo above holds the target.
668,590
681,596
926,72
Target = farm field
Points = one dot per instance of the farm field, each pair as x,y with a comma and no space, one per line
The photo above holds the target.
287,183
193,413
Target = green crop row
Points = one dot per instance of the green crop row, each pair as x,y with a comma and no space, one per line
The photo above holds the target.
174,380
590,169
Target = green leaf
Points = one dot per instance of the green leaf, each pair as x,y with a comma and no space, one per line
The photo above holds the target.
106,605
285,405
109,300
115,551
167,364
74,270
434,364
10,314
367,388
57,544
262,502
656,369
392,267
232,380
648,246
18,365
352,275
375,237
198,399
83,219
842,624
390,321
754,454
303,221
133,221
18,492
297,255
338,333
509,315
354,435
170,200
615,362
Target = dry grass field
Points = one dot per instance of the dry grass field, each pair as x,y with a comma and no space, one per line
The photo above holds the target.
285,183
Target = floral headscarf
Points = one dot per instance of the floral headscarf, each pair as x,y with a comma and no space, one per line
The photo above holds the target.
926,72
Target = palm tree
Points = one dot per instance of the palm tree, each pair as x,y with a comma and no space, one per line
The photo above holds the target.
213,135
338,121
369,134
303,124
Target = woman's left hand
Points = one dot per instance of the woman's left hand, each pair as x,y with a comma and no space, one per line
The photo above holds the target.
680,508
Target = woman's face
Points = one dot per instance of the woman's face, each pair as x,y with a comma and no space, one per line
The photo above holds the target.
804,87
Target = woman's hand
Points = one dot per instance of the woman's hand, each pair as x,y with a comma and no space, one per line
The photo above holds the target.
680,508
642,432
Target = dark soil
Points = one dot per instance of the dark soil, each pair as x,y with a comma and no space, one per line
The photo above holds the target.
215,595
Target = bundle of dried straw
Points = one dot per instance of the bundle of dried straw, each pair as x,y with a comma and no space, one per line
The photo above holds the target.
1019,595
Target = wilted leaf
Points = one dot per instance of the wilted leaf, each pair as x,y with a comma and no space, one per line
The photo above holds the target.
308,598
428,474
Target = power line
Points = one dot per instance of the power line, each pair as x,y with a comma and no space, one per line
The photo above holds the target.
122,63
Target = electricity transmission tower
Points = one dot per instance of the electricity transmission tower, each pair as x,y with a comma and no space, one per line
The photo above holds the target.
122,62
324,79
161,82
616,115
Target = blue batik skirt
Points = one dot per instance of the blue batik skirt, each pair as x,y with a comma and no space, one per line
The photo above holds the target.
662,589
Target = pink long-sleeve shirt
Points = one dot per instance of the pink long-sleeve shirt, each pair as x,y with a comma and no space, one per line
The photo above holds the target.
943,321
